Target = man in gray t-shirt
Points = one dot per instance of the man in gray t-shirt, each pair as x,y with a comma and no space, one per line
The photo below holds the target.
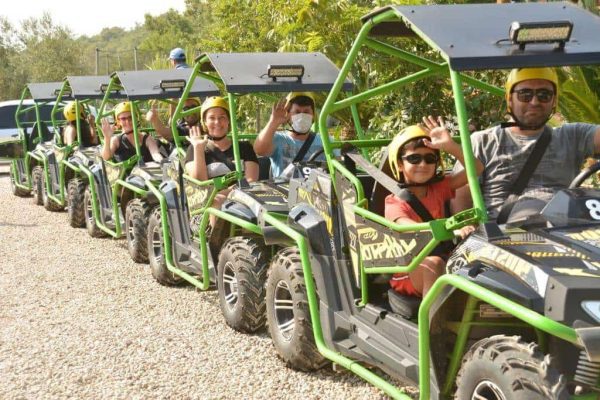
531,97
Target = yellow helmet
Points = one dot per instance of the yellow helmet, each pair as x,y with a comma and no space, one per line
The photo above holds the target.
213,102
124,106
395,147
523,74
292,95
70,111
194,99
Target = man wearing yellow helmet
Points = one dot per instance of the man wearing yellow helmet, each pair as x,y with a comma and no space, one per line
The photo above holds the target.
531,99
122,147
282,147
183,125
87,126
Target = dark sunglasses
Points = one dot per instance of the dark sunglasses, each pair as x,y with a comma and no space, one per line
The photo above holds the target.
415,159
526,95
187,108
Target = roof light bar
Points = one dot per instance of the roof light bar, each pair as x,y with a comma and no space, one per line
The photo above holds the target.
285,71
172,84
523,33
66,93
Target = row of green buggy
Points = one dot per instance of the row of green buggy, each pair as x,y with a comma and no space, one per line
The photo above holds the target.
517,314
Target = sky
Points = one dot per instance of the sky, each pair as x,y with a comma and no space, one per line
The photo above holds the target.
88,17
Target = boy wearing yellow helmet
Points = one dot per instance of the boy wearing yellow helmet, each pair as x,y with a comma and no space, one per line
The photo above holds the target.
122,147
531,98
282,147
414,158
87,126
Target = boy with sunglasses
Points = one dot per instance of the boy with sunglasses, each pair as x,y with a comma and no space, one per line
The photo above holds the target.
531,98
414,158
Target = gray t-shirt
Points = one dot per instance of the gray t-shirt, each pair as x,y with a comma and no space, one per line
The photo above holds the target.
504,153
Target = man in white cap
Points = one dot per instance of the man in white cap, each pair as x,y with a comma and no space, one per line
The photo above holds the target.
177,58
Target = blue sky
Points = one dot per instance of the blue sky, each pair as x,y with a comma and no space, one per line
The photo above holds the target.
86,17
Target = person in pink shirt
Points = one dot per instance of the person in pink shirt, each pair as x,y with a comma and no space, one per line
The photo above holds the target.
415,160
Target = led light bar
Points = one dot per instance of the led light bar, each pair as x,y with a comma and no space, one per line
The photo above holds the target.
66,93
285,71
523,33
172,84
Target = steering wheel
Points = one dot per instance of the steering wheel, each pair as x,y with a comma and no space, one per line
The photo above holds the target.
583,175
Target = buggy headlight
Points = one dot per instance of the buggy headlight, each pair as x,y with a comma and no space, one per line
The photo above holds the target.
592,308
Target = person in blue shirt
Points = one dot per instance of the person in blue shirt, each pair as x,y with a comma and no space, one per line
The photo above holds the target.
177,58
282,145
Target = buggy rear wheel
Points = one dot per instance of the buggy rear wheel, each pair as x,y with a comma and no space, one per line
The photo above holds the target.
288,316
15,190
506,368
156,252
76,202
90,223
241,279
37,182
137,215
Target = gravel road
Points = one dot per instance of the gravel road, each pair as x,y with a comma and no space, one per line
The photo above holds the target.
79,319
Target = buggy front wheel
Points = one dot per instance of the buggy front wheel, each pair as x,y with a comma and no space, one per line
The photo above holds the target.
288,316
506,368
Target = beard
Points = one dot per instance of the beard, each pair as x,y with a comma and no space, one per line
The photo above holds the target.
191,121
532,120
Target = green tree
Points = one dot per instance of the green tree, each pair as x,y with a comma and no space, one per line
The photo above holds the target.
49,52
8,84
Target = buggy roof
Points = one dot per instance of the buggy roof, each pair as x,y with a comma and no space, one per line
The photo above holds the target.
46,91
89,87
144,85
474,36
247,72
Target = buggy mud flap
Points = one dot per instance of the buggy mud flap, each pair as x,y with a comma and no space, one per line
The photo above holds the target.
21,171
103,192
186,253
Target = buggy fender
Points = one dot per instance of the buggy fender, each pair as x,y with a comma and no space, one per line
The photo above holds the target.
501,282
239,210
308,221
136,181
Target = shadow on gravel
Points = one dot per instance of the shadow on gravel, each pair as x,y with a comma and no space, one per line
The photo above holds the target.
18,225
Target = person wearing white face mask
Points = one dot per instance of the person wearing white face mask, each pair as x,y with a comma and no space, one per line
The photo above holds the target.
283,147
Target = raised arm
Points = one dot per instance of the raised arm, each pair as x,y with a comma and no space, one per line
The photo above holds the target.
111,143
263,145
441,140
153,148
197,167
160,128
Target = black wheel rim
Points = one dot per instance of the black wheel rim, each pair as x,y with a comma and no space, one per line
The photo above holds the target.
157,244
130,230
89,214
284,310
230,285
487,390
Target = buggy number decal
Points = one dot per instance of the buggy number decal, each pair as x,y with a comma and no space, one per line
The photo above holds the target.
593,206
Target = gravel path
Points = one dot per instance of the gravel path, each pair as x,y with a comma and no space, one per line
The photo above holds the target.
81,320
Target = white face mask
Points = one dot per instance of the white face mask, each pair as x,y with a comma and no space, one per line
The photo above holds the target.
302,122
